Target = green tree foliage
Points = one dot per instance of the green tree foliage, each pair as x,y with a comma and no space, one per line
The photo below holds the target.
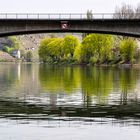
106,47
94,49
51,48
97,46
55,49
29,56
127,49
87,48
70,43
13,44
6,49
43,49
77,53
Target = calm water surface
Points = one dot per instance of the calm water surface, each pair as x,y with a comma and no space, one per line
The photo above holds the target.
40,102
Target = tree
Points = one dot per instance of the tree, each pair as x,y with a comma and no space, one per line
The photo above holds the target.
15,42
77,53
44,50
12,44
106,47
69,45
127,49
137,11
89,14
126,11
51,49
97,46
87,48
55,49
29,56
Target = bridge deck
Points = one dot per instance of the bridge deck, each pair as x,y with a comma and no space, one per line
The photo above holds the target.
17,24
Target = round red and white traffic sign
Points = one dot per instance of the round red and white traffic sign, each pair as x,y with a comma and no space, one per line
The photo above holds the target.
64,26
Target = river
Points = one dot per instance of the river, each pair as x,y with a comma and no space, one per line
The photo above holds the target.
41,102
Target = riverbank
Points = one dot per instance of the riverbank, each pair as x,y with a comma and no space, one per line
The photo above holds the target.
74,62
119,65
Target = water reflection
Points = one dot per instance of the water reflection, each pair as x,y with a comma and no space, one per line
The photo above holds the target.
42,92
99,83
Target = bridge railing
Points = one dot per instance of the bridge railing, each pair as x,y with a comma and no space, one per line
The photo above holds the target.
66,16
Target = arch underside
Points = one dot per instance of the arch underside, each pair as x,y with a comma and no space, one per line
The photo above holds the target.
11,33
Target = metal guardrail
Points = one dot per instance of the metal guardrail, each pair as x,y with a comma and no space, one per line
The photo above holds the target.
66,16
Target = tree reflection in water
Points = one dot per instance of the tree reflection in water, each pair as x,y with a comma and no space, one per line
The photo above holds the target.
69,92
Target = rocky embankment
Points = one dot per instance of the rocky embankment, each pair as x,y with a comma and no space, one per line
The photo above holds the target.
5,57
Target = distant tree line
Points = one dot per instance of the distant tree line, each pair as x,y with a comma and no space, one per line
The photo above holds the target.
58,49
127,11
93,49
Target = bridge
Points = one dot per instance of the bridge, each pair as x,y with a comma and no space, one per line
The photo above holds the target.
18,24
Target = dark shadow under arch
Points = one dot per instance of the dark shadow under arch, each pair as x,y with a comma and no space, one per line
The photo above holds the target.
68,31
